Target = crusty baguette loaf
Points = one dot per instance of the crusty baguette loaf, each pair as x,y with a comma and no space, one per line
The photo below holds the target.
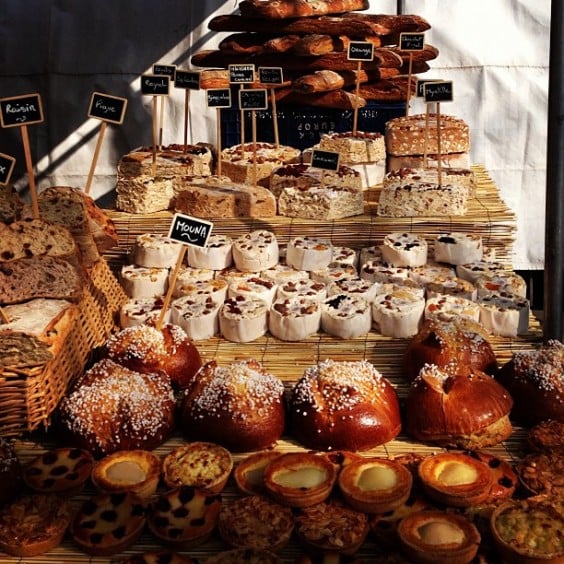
10,204
339,99
319,81
39,277
317,44
248,43
389,90
354,25
428,53
34,237
282,9
214,78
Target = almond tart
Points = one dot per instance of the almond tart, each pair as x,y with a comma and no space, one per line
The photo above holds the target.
108,523
199,464
135,471
331,528
244,556
542,473
59,470
529,531
455,479
249,473
300,479
184,517
33,524
256,522
375,485
438,537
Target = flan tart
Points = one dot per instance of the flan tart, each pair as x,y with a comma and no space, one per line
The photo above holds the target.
184,517
300,479
436,536
375,485
108,523
249,473
59,470
135,471
455,479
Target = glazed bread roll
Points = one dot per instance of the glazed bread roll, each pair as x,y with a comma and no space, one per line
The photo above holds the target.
239,406
459,407
323,417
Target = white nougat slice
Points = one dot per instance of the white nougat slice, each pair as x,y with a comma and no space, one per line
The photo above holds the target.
346,316
242,320
198,315
294,319
398,314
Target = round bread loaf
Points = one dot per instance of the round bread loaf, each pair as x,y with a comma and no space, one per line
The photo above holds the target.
457,340
114,408
239,406
344,406
10,472
535,380
146,349
462,407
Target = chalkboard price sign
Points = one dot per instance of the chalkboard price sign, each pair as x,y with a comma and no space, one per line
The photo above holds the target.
165,70
253,99
189,80
412,41
218,98
438,91
270,75
190,230
107,108
155,85
421,82
6,168
360,51
21,110
326,160
241,74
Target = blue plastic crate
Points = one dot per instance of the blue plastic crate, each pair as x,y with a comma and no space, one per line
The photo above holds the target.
302,126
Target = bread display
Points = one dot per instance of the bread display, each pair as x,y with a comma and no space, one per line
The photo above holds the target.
534,380
370,408
240,406
463,408
112,408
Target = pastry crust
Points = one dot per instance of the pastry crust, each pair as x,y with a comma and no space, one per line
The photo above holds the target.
249,473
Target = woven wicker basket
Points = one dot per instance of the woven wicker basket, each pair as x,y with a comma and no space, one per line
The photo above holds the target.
28,396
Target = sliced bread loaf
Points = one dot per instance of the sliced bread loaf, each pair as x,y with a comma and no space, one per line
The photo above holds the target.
22,350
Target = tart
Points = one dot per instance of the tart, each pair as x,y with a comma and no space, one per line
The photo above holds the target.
33,524
529,531
504,478
135,471
159,557
438,536
244,556
256,522
542,472
184,517
455,479
249,473
59,470
547,436
108,523
199,464
300,479
331,528
375,485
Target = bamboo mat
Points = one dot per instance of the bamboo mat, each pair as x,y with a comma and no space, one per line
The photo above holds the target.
487,215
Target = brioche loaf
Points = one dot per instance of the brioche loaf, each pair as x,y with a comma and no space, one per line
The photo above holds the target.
39,277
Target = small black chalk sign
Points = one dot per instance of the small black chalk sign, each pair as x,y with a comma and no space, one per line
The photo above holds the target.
107,108
270,75
360,51
421,82
218,98
165,70
155,85
326,160
253,99
6,168
241,74
438,91
189,80
190,230
21,110
412,41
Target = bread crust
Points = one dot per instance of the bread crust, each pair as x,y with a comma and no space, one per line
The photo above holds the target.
282,9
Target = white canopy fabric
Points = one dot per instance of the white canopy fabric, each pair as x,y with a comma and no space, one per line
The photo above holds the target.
496,52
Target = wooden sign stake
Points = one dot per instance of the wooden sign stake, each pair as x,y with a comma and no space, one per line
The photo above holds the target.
356,98
186,112
408,95
172,282
439,165
254,132
426,142
154,167
161,123
95,157
218,143
4,316
274,118
29,167
242,119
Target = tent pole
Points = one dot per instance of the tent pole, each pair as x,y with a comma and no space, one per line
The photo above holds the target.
553,327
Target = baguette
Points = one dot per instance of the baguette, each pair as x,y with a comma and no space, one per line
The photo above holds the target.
39,277
319,81
339,99
214,78
247,43
389,90
282,44
317,44
282,9
354,25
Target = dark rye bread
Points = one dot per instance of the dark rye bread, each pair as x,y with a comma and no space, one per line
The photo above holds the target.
39,277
